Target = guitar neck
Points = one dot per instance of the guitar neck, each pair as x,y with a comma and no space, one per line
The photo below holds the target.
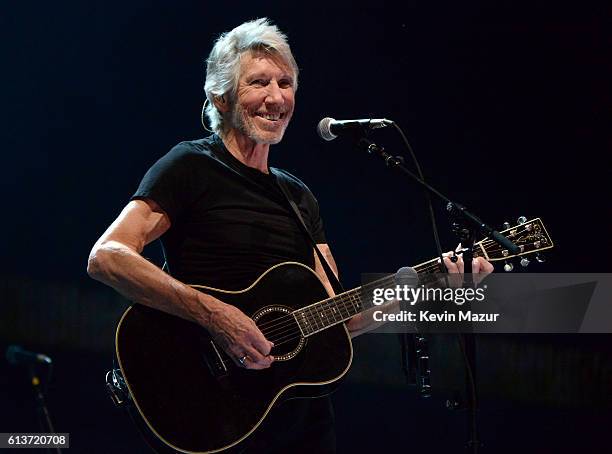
530,236
340,308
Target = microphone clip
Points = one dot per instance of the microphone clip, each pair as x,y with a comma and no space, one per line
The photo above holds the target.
374,149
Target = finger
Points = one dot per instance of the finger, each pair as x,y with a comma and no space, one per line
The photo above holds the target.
476,265
483,265
238,352
254,365
237,358
460,264
262,344
258,358
450,266
479,265
457,256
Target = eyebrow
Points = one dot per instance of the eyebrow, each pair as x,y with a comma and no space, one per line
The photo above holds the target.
260,75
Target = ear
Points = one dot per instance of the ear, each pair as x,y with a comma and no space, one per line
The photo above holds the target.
221,103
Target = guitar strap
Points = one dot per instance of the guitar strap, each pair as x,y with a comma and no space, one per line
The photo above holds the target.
335,283
333,280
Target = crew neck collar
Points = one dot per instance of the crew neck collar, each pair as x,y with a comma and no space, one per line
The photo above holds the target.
235,162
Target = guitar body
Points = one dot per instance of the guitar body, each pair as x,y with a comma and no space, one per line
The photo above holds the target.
193,398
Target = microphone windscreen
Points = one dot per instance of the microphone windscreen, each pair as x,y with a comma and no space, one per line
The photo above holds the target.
324,129
407,276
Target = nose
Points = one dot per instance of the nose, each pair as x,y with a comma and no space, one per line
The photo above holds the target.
275,94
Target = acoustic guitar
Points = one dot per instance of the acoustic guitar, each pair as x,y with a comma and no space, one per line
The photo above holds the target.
190,397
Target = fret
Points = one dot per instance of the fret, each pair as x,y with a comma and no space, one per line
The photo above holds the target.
336,312
329,313
342,307
352,300
321,312
313,318
353,304
304,322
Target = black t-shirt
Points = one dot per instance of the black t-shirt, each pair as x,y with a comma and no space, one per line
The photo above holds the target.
230,222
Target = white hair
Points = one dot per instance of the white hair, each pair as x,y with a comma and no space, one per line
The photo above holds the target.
223,63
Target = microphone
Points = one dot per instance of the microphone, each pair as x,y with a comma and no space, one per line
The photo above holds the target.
17,355
407,275
329,128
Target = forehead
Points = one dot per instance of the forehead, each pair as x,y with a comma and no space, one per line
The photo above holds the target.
252,63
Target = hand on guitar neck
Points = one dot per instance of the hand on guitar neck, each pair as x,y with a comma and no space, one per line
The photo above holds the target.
480,266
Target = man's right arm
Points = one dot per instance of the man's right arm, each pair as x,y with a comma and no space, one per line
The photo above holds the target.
116,261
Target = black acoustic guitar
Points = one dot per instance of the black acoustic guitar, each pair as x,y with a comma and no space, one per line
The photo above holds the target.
192,398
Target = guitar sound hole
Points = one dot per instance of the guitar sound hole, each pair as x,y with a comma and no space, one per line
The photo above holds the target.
279,326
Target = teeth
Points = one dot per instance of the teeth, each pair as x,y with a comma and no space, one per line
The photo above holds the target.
272,117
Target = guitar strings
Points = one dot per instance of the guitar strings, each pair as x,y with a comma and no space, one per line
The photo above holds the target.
286,324
346,304
291,333
349,296
350,299
346,301
425,269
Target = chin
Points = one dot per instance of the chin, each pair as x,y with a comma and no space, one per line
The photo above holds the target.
267,137
273,140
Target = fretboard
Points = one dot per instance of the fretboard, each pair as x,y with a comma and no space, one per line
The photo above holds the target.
340,308
529,236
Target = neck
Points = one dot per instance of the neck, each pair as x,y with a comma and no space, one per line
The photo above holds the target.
246,150
340,308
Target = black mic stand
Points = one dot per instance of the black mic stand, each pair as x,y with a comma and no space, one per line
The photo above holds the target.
42,411
466,225
467,342
459,211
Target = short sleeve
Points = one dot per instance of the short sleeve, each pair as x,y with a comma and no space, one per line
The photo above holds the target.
316,223
309,207
171,182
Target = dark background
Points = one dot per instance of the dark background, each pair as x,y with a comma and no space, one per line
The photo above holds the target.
508,105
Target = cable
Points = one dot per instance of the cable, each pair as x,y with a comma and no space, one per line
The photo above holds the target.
427,196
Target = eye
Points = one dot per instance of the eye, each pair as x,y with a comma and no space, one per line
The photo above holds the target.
260,82
285,83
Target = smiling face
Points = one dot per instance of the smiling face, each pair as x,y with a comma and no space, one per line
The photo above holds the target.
264,99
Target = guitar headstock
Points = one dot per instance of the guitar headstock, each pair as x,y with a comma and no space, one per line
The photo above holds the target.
530,236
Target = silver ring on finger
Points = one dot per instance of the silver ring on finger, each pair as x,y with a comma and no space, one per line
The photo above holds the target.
242,360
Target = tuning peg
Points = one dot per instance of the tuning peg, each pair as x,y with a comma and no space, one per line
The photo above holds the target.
508,266
506,225
524,261
540,258
521,220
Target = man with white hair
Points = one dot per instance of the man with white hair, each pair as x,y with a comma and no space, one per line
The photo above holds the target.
216,206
